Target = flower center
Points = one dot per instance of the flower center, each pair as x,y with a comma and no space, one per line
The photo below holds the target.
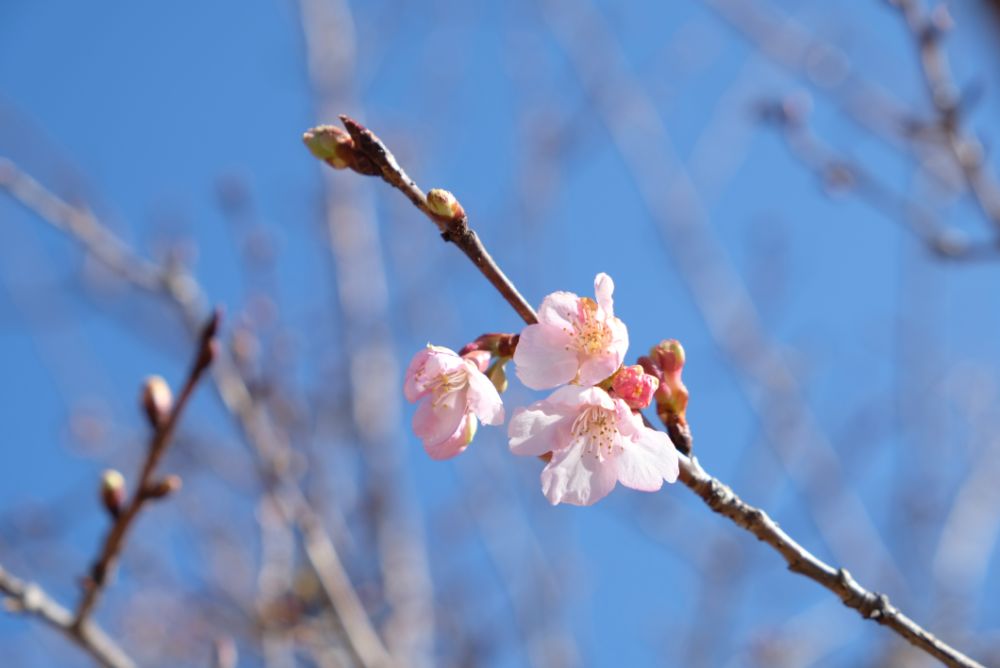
590,334
597,429
446,384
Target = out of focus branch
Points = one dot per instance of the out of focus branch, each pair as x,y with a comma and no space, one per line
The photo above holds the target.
720,498
181,289
967,152
30,599
841,174
164,419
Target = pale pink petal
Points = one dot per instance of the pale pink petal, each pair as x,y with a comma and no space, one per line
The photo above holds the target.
441,360
619,337
483,398
577,478
544,358
538,429
603,287
559,309
435,423
456,443
645,463
413,385
598,367
480,359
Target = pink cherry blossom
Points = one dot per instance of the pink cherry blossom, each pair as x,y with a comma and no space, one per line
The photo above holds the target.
576,340
454,393
596,441
635,386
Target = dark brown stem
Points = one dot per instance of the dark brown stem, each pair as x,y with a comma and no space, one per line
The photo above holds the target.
456,230
145,485
719,497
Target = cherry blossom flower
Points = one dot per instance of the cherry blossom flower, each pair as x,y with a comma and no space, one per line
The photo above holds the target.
595,441
576,340
635,386
454,393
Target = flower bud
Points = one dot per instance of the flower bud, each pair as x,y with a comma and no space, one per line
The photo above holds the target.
498,376
443,203
668,355
164,487
330,144
113,492
634,386
157,400
672,395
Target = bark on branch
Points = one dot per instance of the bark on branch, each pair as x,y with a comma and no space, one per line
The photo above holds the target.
718,496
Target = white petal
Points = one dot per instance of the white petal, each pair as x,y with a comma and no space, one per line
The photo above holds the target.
577,478
603,287
646,462
484,400
544,358
538,429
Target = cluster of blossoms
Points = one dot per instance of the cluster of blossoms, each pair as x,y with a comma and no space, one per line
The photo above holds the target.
588,430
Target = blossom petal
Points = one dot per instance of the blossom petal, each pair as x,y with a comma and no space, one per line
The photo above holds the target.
559,309
483,398
603,287
457,442
413,387
434,423
598,367
538,429
578,479
543,357
619,337
646,462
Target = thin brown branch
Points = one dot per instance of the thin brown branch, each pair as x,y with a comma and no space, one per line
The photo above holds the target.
720,498
454,229
146,488
30,599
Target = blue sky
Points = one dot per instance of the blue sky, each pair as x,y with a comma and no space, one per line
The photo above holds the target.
142,108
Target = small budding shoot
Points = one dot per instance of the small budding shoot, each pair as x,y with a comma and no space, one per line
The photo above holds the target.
164,487
330,144
666,361
157,400
443,203
113,492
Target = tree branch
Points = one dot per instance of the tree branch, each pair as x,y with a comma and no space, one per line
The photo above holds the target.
454,229
147,488
720,498
183,291
30,599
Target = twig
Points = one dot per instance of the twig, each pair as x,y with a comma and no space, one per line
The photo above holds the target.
720,498
454,229
184,292
146,489
30,599
838,173
966,151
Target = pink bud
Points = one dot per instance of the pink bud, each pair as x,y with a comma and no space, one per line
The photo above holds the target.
669,356
634,386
